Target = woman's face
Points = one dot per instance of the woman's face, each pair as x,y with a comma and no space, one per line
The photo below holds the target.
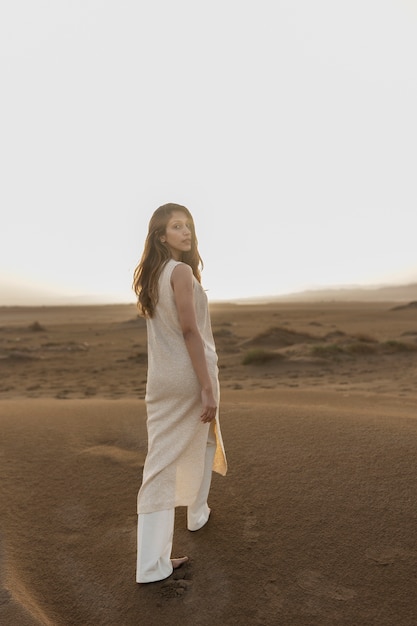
178,234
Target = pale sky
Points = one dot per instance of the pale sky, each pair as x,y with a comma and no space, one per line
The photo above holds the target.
287,127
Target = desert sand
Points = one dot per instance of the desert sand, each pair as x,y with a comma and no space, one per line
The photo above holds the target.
315,523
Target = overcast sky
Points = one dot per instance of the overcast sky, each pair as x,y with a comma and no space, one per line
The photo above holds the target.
288,128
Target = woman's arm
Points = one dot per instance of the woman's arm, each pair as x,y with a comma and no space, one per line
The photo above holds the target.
182,284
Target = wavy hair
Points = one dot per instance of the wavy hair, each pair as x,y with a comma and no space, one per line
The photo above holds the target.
156,254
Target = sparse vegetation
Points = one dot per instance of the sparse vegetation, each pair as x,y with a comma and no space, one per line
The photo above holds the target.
335,334
398,346
361,347
364,338
364,346
222,332
258,356
36,327
278,336
139,357
104,348
327,351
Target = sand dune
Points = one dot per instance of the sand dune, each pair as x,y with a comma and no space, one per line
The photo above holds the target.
314,524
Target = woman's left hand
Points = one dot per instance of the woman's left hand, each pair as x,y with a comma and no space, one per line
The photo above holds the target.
209,406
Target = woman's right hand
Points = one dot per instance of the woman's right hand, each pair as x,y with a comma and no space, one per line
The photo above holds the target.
209,403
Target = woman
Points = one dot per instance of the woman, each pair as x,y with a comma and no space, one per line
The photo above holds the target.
182,391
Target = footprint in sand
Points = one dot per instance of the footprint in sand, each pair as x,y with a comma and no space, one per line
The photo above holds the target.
249,529
274,595
387,556
319,585
178,585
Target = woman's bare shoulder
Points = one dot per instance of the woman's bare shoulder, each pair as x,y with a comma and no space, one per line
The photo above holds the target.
182,270
181,275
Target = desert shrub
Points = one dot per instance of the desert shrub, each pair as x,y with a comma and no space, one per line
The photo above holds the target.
278,335
398,346
361,347
36,327
139,357
222,332
327,351
335,334
257,356
365,338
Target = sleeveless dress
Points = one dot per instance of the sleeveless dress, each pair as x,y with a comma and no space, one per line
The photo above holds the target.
177,438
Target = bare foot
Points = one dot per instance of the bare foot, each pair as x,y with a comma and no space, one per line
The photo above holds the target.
176,563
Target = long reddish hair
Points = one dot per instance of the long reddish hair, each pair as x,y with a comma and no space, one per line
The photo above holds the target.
156,254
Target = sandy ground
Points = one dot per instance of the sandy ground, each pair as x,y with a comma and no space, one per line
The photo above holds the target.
315,523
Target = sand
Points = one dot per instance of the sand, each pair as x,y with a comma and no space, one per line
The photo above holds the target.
315,524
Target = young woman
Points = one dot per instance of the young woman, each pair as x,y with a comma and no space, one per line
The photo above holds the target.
182,391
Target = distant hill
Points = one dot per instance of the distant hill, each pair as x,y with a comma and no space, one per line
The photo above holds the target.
26,294
389,293
20,293
370,293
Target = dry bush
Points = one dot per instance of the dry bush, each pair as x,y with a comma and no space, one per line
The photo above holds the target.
36,327
361,347
398,346
327,351
257,356
279,336
363,337
222,332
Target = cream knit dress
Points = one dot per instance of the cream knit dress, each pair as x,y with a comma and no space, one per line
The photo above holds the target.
177,438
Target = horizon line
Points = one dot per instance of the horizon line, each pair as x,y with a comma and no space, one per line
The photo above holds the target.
309,293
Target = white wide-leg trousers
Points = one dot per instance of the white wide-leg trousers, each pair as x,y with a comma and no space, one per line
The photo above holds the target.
156,530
